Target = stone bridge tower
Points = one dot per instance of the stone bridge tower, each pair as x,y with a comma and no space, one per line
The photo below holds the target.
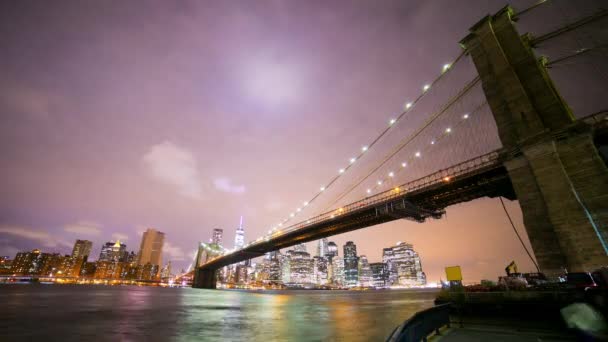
560,180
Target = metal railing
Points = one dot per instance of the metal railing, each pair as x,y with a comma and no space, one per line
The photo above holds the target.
422,324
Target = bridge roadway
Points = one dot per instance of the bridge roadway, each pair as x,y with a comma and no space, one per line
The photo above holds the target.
417,200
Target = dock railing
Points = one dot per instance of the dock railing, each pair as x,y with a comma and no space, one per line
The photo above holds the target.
422,324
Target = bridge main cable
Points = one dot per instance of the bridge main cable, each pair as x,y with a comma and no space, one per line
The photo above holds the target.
404,142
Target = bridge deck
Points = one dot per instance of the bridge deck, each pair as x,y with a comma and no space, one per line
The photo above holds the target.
417,200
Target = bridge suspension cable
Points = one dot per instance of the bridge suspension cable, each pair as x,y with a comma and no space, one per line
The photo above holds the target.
407,140
529,9
569,27
578,52
408,107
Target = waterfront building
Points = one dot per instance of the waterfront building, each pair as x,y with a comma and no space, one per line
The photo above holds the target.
5,265
114,251
217,236
351,264
365,272
337,277
274,268
320,270
88,269
332,249
108,269
241,274
300,270
239,238
322,247
404,265
151,248
26,262
148,271
165,272
285,263
82,249
300,247
379,274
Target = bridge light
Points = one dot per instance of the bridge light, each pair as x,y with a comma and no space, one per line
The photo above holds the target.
418,154
432,142
446,179
299,209
379,182
281,224
466,116
369,191
305,203
391,174
341,171
322,188
270,231
426,87
332,216
352,160
392,121
292,215
404,164
397,189
446,67
448,130
308,221
364,148
408,105
341,209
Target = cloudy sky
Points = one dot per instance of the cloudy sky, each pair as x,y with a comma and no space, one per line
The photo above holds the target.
185,115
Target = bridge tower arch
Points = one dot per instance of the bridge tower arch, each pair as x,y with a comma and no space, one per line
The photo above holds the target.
557,173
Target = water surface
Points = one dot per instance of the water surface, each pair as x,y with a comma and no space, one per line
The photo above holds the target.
130,313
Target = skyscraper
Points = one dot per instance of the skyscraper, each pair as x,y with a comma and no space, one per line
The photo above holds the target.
82,249
217,236
332,249
113,251
322,247
151,248
404,265
351,264
365,272
239,238
379,274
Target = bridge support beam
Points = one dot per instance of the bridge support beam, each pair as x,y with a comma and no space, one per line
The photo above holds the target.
204,278
557,173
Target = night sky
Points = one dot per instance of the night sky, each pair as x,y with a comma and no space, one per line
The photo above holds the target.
184,115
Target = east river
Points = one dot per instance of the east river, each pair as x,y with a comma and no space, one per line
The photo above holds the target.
130,313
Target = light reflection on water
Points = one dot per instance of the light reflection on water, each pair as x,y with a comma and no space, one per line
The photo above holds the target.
76,313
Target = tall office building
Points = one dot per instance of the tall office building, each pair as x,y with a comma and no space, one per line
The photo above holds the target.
404,265
365,272
217,236
114,251
300,269
82,249
351,264
322,247
332,249
379,274
337,271
239,238
151,248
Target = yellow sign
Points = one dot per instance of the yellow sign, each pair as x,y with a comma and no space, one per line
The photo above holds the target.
453,273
